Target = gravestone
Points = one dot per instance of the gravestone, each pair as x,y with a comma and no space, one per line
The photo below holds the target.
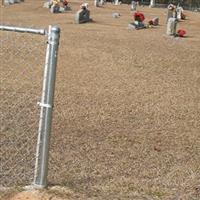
136,25
82,16
47,4
57,6
171,12
179,11
116,15
8,2
171,26
55,9
152,3
117,2
133,5
96,3
101,2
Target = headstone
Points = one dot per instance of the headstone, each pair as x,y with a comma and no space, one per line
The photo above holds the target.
171,12
67,8
171,26
62,9
47,5
12,1
115,15
8,2
152,4
96,3
82,16
58,6
179,11
133,5
117,2
131,26
136,25
101,2
55,9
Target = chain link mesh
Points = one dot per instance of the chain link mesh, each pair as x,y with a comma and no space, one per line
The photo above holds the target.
22,57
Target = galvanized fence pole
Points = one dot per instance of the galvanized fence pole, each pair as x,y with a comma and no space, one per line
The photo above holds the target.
46,104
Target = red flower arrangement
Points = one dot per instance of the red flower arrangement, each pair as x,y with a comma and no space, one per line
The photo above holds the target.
138,16
181,33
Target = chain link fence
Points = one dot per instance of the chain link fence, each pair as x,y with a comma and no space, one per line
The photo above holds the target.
24,75
193,5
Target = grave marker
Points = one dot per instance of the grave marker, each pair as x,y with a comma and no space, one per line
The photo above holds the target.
171,12
152,4
133,5
117,2
171,26
96,3
82,16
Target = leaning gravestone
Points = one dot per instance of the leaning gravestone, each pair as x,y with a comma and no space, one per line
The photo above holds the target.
82,16
171,26
133,5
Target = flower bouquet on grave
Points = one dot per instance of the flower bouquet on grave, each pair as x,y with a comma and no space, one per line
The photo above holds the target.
181,33
138,16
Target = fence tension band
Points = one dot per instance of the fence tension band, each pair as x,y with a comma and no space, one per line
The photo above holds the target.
44,105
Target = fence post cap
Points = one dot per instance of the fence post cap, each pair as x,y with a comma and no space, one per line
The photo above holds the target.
55,29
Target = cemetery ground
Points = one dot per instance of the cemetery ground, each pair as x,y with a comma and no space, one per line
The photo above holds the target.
127,106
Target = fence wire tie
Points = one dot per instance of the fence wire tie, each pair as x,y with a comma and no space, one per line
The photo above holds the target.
44,105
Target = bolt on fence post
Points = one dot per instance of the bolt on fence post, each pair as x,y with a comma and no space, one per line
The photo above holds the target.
46,104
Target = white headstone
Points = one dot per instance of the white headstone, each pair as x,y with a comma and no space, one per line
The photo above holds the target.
101,2
117,2
6,2
96,3
179,11
47,5
171,26
116,15
133,5
12,1
152,3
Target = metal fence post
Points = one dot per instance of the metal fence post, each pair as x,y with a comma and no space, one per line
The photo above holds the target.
46,104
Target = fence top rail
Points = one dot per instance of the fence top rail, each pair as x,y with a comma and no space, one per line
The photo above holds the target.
23,30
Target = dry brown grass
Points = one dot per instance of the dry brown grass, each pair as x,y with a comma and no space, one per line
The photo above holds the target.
127,106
